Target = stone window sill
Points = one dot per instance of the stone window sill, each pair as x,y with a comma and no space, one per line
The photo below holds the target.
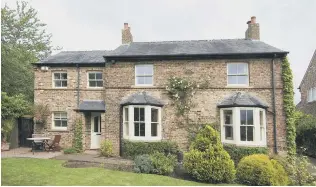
57,130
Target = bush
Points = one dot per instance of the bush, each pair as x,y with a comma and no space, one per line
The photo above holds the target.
143,164
106,148
133,149
259,170
70,150
207,160
78,136
237,153
163,165
306,135
298,173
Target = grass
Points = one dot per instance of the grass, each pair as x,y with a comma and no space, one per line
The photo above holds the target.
41,172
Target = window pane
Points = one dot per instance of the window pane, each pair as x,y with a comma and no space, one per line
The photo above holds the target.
314,94
99,83
249,133
98,75
136,114
63,115
63,75
228,132
126,128
57,83
154,129
243,133
232,69
136,129
140,80
243,117
144,70
261,133
242,79
148,80
261,118
142,114
242,69
154,115
125,114
96,124
92,84
232,79
57,123
91,75
249,117
56,75
64,123
228,117
142,129
64,83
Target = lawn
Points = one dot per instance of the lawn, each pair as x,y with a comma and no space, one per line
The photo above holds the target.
39,172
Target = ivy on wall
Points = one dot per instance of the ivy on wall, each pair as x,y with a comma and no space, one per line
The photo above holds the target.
78,136
289,107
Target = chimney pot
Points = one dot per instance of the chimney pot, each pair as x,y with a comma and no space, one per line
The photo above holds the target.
253,31
253,19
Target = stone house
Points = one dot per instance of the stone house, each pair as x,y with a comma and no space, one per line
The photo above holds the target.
121,94
308,89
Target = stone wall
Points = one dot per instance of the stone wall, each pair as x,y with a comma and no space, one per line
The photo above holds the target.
119,83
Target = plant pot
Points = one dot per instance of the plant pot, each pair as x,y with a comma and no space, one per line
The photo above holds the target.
5,146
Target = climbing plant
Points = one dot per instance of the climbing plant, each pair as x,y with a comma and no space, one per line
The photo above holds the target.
181,91
77,142
289,108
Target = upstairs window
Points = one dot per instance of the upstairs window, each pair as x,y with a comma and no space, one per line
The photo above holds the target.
95,80
237,74
144,75
311,95
60,80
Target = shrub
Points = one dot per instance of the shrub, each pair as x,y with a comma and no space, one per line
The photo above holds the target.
106,148
306,135
77,141
143,164
298,173
207,160
163,165
237,153
133,149
258,170
70,150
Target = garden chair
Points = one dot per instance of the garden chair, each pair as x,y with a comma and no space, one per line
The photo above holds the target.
54,145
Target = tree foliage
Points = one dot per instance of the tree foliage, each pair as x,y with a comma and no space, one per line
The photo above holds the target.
23,41
13,107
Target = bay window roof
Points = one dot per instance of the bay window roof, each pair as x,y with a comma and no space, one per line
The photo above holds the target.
142,98
240,99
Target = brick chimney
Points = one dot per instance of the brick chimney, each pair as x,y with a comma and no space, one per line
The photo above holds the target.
253,31
126,34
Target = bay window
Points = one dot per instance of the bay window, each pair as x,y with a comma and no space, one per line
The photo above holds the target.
243,126
142,122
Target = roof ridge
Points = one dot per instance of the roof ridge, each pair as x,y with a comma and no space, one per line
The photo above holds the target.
170,41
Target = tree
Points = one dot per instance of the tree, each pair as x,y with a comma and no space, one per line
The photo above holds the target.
23,41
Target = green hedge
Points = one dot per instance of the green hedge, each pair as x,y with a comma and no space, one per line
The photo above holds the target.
133,149
237,153
306,135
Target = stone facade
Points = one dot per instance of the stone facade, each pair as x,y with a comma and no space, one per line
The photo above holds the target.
119,83
308,82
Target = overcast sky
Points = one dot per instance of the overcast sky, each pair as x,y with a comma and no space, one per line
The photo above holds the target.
96,24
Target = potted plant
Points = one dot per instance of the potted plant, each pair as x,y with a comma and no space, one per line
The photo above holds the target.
6,130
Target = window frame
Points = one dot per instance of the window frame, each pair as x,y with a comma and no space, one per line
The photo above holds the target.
147,138
311,95
53,80
148,75
88,79
236,127
54,127
227,74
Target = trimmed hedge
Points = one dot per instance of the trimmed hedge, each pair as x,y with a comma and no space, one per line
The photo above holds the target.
237,153
259,170
133,149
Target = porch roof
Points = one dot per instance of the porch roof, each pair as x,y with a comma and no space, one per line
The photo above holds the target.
92,105
240,99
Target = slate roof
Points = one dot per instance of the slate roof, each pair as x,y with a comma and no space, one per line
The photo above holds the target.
240,99
141,98
92,105
194,47
69,57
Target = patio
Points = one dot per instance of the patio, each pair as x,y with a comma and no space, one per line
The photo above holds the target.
27,152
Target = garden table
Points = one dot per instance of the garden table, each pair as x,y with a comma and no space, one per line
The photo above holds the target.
39,139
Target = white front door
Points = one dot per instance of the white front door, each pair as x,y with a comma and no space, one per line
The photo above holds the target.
95,130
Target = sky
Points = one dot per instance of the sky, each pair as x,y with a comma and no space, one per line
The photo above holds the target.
289,25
